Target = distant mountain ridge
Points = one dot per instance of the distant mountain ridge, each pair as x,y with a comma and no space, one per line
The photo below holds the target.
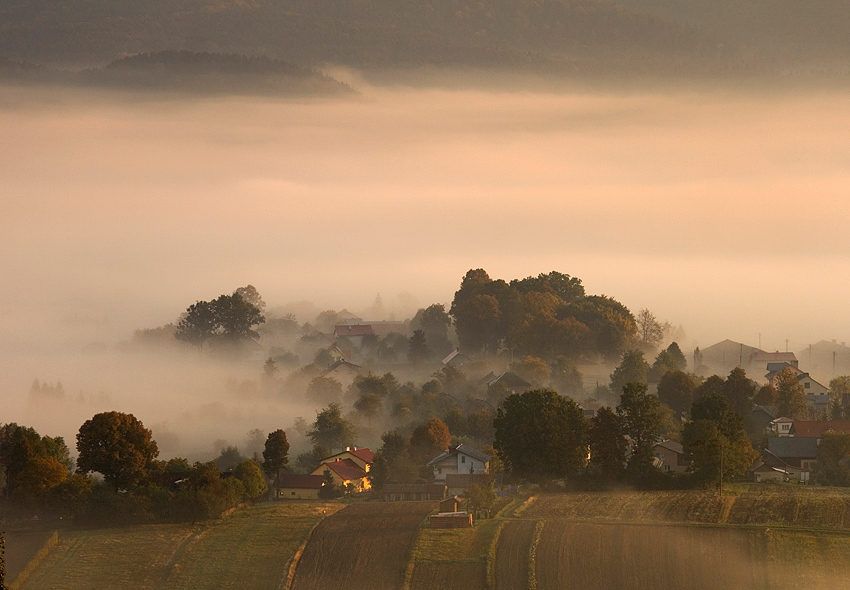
186,71
568,35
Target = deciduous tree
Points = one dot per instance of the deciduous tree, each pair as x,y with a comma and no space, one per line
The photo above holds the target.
642,418
118,446
607,445
330,428
676,389
275,454
632,369
791,397
540,435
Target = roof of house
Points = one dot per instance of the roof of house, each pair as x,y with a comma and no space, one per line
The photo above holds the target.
779,366
510,379
818,398
342,363
772,460
346,469
775,357
771,411
788,447
362,453
347,330
460,449
816,428
457,356
671,445
782,419
299,480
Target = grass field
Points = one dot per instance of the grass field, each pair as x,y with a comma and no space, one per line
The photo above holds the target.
760,537
249,549
363,546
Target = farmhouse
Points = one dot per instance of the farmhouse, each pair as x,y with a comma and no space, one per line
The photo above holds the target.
343,371
345,472
459,459
800,454
296,486
361,456
671,456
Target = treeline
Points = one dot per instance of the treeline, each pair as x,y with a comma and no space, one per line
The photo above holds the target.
37,473
188,71
575,36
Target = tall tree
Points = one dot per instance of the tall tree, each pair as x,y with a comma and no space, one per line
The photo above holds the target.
676,389
418,352
791,397
739,391
540,435
429,440
275,455
198,325
324,390
607,444
632,369
118,446
330,428
650,330
716,442
642,418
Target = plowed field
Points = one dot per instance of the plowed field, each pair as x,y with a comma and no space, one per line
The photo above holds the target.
362,546
512,554
449,575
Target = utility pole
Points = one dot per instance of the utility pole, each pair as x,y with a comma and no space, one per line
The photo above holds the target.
786,344
833,362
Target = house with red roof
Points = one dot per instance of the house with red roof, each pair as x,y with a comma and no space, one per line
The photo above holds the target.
345,472
362,456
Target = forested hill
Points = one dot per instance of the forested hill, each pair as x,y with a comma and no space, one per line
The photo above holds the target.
591,37
186,71
788,33
570,35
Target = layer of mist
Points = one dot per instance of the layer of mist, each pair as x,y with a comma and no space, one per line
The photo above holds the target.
720,211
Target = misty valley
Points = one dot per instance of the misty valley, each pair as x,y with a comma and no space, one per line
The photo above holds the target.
442,295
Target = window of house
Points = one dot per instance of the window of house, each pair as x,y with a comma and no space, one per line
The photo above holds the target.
462,459
807,385
439,469
293,493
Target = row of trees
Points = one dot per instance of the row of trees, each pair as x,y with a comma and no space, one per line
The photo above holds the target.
541,436
37,471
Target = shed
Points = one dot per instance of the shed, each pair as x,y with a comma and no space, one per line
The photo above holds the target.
450,504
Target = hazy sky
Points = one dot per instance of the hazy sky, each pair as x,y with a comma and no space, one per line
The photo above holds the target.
726,214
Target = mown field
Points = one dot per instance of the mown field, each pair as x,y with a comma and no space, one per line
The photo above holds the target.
363,546
760,537
753,505
249,549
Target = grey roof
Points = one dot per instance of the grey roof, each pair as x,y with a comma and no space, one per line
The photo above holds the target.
461,448
787,447
772,411
671,445
510,379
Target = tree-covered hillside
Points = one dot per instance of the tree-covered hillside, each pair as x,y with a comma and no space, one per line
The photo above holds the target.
567,34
